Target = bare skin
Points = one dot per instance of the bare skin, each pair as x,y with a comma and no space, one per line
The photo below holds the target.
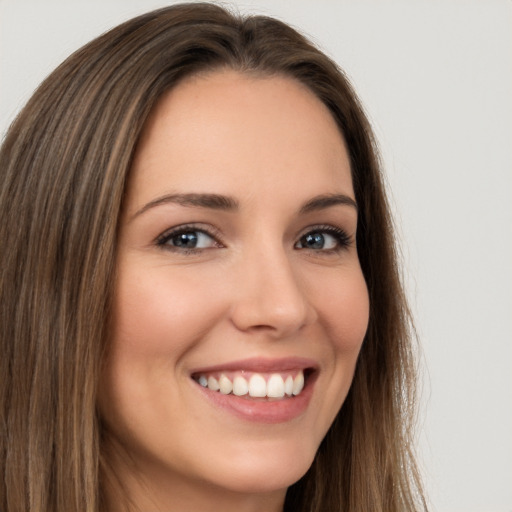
237,247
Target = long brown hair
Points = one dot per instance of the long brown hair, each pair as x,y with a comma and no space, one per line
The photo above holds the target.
63,168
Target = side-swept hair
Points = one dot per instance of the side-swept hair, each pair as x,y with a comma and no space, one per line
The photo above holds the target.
63,168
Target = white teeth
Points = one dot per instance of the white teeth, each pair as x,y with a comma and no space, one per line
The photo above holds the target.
257,386
225,385
240,386
213,383
275,386
288,385
298,383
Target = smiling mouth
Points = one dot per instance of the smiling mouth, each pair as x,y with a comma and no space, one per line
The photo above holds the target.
255,385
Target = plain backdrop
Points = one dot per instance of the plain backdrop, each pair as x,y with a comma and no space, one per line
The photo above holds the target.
436,80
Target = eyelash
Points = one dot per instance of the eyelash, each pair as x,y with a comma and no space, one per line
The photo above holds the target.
342,238
164,238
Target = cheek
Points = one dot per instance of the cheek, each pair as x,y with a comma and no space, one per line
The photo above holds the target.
159,316
161,312
344,307
342,304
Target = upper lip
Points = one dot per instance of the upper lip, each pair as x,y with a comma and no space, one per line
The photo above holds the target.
261,365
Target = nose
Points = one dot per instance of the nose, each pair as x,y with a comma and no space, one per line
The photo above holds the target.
270,297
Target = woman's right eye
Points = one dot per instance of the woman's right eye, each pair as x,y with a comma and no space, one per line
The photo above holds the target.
187,239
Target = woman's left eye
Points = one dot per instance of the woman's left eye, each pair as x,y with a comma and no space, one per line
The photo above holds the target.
331,239
187,239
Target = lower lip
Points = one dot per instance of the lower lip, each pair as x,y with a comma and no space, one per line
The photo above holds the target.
262,411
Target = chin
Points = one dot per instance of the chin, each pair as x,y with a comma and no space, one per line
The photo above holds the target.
265,471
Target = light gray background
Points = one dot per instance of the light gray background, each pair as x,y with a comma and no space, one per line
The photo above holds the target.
436,78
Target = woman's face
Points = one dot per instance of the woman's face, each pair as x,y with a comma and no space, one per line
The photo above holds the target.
237,267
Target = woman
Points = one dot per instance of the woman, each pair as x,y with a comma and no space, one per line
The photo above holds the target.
201,307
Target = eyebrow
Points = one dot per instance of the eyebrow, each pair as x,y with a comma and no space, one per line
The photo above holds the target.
326,201
226,203
210,201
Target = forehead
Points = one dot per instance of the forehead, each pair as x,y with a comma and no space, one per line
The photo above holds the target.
230,133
